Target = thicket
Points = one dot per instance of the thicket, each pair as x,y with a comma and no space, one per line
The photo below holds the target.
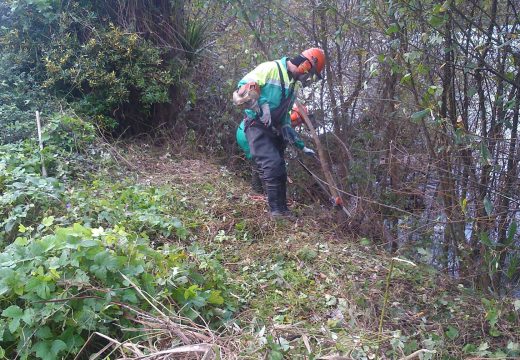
419,112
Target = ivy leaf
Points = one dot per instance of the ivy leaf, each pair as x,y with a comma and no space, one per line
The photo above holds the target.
21,228
40,287
275,355
494,332
483,349
492,316
512,347
469,348
21,241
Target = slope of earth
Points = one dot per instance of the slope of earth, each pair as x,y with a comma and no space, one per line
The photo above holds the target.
305,291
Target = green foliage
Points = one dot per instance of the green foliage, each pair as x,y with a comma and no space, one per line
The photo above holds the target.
60,280
194,38
64,282
25,31
109,68
139,208
113,67
20,97
25,193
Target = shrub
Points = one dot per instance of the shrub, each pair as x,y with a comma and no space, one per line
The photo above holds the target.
65,282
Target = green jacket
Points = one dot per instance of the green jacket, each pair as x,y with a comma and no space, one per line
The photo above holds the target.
244,145
242,140
267,76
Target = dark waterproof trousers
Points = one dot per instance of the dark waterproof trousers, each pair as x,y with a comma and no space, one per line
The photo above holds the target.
257,184
267,150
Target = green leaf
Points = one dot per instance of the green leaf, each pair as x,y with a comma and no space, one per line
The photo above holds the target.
483,347
516,304
513,348
452,333
392,29
420,115
499,354
43,350
469,348
13,312
44,333
365,241
485,156
2,353
275,355
484,239
191,292
215,298
511,233
494,332
29,316
436,20
48,221
492,316
488,206
406,78
445,6
39,286
58,346
21,241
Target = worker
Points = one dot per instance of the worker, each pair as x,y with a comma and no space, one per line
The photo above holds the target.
267,93
256,181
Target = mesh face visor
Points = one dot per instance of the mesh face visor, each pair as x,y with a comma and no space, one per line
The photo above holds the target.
314,72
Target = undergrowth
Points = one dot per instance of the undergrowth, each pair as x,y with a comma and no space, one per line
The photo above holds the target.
97,246
80,245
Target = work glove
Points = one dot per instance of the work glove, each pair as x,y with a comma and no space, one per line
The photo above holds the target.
265,118
291,137
308,151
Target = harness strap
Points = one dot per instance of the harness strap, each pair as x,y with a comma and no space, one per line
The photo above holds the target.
279,111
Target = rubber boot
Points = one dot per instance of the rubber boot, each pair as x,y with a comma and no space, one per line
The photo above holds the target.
273,191
282,200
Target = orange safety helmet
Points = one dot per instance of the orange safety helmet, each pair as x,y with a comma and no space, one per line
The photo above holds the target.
296,117
315,61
